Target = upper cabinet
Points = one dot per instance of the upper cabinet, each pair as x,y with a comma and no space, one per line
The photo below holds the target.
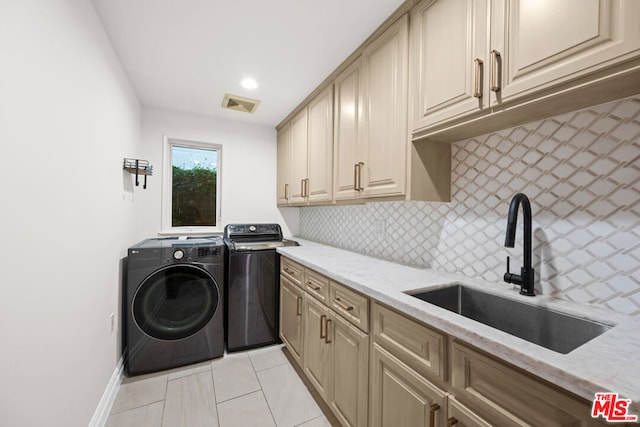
538,44
439,71
284,164
310,158
320,147
371,119
450,42
383,135
347,112
523,57
299,154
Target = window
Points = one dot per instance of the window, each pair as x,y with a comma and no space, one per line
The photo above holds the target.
191,197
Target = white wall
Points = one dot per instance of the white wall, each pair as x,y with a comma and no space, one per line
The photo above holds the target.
67,118
248,168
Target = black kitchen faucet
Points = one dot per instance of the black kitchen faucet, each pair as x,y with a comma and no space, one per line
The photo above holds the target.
526,277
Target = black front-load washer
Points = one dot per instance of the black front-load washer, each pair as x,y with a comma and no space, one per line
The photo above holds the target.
173,303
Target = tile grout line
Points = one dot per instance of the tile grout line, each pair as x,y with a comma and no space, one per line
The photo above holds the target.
312,419
240,395
264,396
286,362
215,401
164,401
135,407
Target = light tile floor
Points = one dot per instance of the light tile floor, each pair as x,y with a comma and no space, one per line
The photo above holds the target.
258,388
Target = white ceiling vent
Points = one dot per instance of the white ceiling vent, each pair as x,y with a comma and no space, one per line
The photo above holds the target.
238,103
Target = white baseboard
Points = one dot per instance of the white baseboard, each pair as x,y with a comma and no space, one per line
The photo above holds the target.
101,414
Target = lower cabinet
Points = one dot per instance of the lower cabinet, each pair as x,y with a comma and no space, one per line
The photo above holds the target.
323,325
402,397
350,374
336,362
291,320
317,364
509,397
406,373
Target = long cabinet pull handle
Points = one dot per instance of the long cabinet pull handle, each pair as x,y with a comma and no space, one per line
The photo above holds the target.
302,188
286,270
342,305
477,84
286,191
322,318
451,421
299,306
355,177
495,58
360,165
432,414
307,187
326,330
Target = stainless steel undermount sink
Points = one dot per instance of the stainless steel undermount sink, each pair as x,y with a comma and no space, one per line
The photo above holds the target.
542,326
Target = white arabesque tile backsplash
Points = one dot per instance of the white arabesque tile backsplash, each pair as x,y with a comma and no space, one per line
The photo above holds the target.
581,171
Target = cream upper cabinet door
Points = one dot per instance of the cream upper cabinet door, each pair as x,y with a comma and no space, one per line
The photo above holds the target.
320,147
317,347
284,164
298,157
384,121
400,396
291,324
350,382
449,42
346,118
541,43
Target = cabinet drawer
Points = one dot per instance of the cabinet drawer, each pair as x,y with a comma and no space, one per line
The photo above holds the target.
464,416
505,396
316,285
350,305
292,270
420,347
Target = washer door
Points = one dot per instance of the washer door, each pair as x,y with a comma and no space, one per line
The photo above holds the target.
175,302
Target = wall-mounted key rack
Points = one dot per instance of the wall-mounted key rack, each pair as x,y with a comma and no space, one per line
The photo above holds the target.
138,167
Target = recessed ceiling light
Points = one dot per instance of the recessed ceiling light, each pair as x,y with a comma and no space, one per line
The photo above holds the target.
249,83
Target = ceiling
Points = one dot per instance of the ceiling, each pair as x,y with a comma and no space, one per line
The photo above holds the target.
185,55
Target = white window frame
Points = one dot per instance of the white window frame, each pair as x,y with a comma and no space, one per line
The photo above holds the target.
167,186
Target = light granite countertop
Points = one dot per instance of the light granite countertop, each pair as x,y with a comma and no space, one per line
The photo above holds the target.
609,362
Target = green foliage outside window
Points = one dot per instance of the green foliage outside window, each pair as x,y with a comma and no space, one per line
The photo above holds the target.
194,197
